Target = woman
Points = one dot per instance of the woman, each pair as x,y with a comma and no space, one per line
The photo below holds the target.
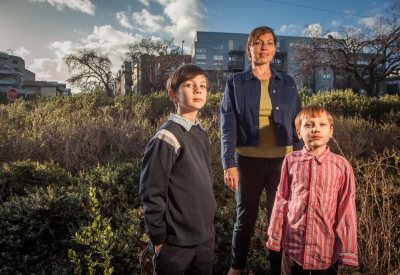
257,126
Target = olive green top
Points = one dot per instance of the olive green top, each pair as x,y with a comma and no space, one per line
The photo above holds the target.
268,147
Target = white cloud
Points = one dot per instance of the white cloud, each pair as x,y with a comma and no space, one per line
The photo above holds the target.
84,6
335,23
186,17
22,52
369,22
148,22
181,19
104,39
349,12
123,20
288,29
145,2
48,69
314,30
63,48
109,40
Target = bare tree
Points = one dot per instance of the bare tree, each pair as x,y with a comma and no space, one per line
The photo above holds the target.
370,53
216,79
90,71
154,60
308,61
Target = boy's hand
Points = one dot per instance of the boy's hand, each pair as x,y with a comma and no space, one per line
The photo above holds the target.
157,249
231,178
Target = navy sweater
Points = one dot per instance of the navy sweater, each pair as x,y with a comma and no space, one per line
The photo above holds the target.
176,186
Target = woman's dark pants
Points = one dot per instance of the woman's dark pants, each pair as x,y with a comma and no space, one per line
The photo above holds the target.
256,174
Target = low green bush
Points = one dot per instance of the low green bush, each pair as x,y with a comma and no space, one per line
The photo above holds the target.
385,109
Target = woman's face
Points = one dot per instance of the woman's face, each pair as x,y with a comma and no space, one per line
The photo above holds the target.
262,50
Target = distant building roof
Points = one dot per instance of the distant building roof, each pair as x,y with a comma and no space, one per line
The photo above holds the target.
31,83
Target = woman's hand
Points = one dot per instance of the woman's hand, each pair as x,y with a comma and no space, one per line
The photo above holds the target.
231,178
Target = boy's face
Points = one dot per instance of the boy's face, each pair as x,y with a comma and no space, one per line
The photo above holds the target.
316,133
191,95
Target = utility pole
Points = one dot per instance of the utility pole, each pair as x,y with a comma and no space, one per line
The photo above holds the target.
183,41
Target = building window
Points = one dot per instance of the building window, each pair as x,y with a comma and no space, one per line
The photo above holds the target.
339,77
230,44
362,62
278,46
15,61
236,58
218,45
277,61
326,75
201,59
200,50
218,60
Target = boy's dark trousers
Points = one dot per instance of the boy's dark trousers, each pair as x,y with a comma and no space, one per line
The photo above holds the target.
185,260
290,267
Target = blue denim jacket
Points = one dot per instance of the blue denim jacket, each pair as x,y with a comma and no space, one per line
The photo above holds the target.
240,111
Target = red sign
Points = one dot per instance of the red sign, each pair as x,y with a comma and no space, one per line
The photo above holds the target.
12,94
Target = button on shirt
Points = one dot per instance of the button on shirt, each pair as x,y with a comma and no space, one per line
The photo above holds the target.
314,214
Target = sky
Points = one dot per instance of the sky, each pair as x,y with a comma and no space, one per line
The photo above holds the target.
42,32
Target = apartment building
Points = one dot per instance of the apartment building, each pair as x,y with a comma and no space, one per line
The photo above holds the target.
222,54
227,51
13,74
124,79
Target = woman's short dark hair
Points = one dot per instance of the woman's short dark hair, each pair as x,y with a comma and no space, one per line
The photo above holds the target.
183,73
256,33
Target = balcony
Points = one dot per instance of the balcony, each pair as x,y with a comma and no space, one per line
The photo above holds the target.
7,81
280,67
236,63
11,72
236,66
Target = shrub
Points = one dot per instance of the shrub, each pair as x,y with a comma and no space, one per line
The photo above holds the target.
82,141
378,200
346,103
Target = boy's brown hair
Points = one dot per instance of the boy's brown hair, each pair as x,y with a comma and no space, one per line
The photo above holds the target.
312,111
183,73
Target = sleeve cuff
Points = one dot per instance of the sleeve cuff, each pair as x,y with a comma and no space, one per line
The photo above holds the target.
348,259
273,244
158,239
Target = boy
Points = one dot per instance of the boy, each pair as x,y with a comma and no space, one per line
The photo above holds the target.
176,183
314,215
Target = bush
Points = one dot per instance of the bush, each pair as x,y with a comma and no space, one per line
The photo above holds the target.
38,225
53,150
346,103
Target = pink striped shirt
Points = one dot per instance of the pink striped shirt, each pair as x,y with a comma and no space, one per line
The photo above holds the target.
314,214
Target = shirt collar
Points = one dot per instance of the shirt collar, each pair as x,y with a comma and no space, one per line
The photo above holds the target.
320,158
185,123
248,74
